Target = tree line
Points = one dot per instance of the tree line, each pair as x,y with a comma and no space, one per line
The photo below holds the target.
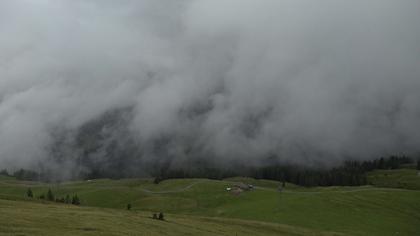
49,196
350,173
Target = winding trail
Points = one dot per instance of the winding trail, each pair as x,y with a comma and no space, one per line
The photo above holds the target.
171,191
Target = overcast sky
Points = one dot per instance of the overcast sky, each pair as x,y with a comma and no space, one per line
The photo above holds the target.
308,81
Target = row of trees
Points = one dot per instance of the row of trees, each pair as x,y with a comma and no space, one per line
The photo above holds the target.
347,175
158,216
351,173
75,200
198,172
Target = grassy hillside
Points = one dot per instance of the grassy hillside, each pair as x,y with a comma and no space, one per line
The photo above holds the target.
348,210
400,178
29,218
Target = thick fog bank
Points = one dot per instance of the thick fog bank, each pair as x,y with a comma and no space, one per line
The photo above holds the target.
128,84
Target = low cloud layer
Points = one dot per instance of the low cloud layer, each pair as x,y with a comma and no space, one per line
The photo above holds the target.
312,82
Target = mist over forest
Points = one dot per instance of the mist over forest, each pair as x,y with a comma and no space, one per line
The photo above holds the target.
126,88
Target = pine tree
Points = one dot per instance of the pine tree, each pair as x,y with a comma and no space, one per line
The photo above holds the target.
161,217
75,200
157,180
50,195
29,193
128,206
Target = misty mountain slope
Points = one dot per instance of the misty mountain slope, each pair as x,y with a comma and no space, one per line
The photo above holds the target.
107,147
214,82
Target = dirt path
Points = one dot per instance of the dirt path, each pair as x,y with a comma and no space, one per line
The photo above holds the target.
171,191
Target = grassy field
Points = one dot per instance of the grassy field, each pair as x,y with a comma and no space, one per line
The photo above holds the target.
400,178
31,218
207,205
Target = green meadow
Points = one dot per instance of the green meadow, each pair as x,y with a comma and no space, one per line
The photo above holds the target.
390,206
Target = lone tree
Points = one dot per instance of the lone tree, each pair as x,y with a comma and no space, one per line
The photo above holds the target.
128,206
29,193
155,216
157,180
161,217
50,195
75,200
